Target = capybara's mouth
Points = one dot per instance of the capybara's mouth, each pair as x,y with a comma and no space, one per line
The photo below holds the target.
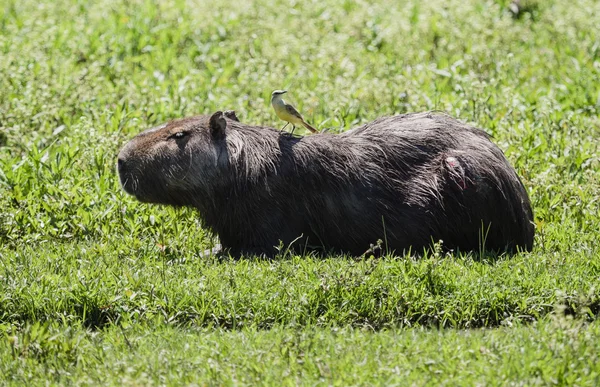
128,181
131,188
128,185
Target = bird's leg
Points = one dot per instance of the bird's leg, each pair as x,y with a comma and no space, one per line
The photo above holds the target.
293,128
286,124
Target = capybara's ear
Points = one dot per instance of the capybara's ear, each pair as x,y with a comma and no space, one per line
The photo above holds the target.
217,125
231,115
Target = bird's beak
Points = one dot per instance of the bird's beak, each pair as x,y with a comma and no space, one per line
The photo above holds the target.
284,91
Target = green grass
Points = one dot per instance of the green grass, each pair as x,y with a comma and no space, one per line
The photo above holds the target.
555,352
98,288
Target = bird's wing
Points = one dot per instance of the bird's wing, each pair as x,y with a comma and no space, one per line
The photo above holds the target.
292,110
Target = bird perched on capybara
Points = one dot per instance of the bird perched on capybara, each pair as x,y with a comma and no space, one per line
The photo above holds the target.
408,180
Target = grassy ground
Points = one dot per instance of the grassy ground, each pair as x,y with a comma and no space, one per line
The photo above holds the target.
97,288
554,352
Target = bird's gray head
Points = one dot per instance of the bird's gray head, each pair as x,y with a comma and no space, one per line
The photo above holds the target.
278,92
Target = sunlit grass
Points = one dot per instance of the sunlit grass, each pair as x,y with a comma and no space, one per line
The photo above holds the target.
96,285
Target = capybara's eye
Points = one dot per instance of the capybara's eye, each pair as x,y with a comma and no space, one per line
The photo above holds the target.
178,135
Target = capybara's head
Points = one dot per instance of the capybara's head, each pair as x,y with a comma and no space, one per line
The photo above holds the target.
167,164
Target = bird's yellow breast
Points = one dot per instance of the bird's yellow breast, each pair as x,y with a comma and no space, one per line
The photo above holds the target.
282,112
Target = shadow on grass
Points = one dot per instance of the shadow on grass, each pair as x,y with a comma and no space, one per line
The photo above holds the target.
97,318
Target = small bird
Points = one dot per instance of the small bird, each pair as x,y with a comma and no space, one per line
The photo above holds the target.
287,112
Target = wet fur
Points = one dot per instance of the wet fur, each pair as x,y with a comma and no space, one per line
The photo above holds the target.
408,180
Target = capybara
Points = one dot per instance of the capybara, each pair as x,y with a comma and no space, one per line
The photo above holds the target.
407,180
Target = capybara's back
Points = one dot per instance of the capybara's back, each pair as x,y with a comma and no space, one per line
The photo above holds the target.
408,180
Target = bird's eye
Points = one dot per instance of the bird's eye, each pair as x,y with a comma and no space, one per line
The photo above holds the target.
178,135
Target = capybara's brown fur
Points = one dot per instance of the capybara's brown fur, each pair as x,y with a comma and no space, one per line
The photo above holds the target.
408,180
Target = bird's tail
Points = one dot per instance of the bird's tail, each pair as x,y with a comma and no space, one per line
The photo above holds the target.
307,126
